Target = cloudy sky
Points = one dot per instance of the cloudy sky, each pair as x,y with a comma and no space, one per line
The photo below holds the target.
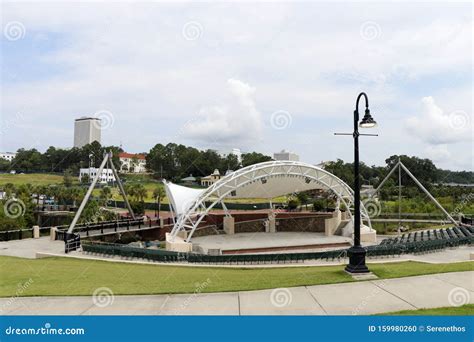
257,76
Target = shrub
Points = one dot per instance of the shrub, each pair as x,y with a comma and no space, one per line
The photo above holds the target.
293,204
138,207
319,205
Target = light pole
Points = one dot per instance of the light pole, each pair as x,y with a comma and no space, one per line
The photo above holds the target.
357,252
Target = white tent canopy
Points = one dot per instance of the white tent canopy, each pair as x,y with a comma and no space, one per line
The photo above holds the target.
181,197
263,180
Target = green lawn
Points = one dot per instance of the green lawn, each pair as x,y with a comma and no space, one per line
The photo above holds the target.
32,178
65,276
465,310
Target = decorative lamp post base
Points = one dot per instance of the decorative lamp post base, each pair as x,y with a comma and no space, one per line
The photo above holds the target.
357,260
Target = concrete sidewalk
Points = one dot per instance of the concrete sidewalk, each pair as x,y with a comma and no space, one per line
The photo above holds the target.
357,298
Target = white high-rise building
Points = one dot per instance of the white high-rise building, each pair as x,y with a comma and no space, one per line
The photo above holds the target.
286,155
86,130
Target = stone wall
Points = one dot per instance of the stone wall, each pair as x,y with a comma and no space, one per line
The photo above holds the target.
257,226
301,224
209,230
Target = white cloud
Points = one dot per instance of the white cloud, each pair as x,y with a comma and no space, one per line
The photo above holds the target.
236,121
132,60
433,126
438,153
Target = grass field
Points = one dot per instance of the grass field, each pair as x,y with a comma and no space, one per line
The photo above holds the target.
147,181
65,276
32,178
465,310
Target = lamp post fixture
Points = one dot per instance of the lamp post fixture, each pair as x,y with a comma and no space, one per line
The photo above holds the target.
357,252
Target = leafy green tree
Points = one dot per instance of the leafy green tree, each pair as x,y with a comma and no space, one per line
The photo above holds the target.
319,204
158,194
423,169
91,212
293,203
303,198
5,165
85,179
28,160
67,178
105,195
9,189
230,162
254,158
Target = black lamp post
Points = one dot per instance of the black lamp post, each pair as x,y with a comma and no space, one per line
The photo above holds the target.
357,252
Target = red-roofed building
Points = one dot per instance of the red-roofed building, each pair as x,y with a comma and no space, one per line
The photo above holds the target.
130,162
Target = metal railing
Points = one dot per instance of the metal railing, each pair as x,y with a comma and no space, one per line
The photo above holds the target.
19,234
109,227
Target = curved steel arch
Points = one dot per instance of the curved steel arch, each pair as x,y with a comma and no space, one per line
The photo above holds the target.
226,185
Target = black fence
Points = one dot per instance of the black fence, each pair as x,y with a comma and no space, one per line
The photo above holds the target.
19,234
107,227
102,227
72,242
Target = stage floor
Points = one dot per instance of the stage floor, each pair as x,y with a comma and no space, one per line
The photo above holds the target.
271,242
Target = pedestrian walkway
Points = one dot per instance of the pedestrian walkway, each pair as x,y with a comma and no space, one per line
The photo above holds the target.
357,298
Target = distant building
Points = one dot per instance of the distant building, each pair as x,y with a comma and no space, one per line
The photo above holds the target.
107,175
86,130
129,162
190,180
238,153
7,155
286,155
211,179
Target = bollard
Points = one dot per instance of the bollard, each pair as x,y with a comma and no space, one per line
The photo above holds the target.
36,232
52,233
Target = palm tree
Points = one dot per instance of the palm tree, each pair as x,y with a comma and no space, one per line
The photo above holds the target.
9,189
129,190
54,193
105,194
159,193
137,192
141,193
76,194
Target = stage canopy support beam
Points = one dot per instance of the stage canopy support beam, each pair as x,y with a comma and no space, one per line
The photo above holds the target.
399,164
265,180
107,157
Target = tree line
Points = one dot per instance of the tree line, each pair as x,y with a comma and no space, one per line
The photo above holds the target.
432,178
423,169
171,161
59,160
175,161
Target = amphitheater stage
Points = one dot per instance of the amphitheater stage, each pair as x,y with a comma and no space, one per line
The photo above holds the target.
243,243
